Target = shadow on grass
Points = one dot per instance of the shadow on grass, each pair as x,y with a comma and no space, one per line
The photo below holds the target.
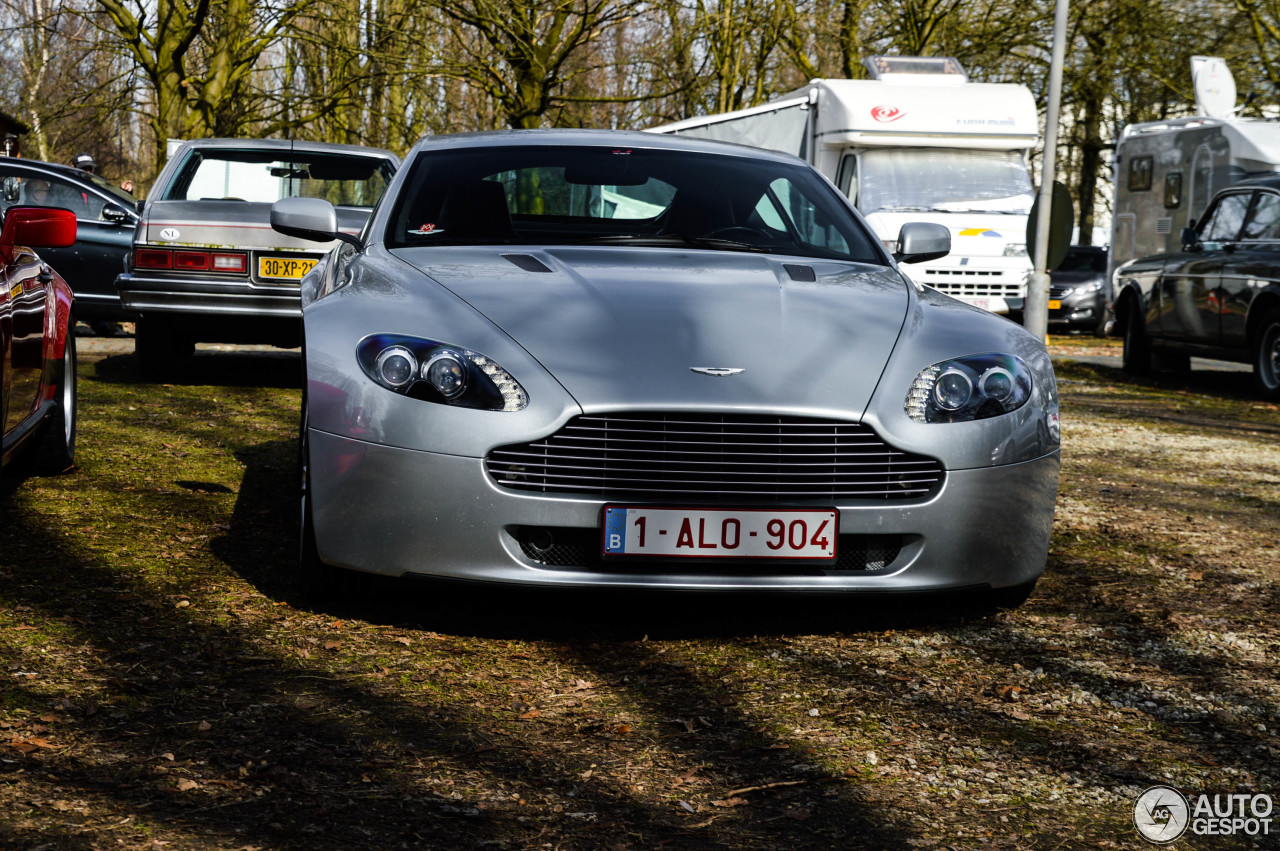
220,369
206,731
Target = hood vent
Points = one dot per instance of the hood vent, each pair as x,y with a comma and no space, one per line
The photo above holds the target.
800,274
526,262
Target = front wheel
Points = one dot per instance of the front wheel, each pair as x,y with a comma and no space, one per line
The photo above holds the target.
56,452
319,580
1266,357
1137,348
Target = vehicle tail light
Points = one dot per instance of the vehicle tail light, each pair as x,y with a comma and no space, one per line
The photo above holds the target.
152,258
231,262
228,263
191,261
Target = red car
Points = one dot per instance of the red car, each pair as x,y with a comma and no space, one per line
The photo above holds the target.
37,342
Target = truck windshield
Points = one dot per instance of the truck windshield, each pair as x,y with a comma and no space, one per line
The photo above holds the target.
945,180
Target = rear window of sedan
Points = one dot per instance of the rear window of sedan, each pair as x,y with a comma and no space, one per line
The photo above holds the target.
218,174
558,195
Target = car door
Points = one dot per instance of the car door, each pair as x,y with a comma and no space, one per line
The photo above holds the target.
1191,281
27,297
1251,268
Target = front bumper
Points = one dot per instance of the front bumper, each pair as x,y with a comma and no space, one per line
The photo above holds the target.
1083,311
238,297
400,512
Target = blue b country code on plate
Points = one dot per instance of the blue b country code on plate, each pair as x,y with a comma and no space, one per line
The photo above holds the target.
720,533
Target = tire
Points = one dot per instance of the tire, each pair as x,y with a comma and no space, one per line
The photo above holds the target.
56,451
158,348
1266,357
1137,348
318,580
1013,596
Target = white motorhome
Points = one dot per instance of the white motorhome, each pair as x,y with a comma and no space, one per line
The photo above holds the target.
918,142
1166,171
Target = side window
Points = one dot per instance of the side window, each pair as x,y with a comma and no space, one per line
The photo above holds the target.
847,178
1140,174
53,192
1173,190
1223,224
1264,221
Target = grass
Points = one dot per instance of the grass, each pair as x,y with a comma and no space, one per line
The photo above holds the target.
162,680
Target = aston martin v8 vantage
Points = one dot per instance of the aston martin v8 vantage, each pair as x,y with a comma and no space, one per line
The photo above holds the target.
593,358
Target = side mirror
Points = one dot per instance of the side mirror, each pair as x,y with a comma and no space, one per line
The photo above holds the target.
312,219
116,214
921,241
36,227
1189,239
141,205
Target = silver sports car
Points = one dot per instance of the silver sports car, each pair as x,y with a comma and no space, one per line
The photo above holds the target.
591,358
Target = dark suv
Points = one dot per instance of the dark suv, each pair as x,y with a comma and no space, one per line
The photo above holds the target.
1219,297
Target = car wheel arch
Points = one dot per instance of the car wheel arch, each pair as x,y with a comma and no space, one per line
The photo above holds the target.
1262,305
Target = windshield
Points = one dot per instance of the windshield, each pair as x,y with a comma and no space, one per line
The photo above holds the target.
219,174
949,180
577,194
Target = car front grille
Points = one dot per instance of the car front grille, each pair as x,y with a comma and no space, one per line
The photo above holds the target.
977,282
685,457
1058,291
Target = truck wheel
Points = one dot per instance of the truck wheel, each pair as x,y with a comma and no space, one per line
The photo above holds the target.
1266,358
157,347
1137,348
56,452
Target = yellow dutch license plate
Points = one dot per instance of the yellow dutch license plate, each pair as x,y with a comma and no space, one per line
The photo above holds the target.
1054,304
284,268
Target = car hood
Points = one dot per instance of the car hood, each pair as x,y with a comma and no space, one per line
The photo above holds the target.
229,224
626,327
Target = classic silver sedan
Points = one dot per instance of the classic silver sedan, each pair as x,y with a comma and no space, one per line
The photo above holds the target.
591,358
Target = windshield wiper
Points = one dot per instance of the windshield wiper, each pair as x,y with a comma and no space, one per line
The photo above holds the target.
672,239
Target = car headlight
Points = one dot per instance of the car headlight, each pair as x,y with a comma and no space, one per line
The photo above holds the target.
1015,249
438,372
1085,289
969,388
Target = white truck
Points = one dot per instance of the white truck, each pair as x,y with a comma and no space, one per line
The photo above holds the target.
1166,171
917,142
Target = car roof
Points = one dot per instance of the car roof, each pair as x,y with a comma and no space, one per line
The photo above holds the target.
69,172
578,137
1259,182
288,145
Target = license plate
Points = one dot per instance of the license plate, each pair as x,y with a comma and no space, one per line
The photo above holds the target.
1055,304
720,533
288,268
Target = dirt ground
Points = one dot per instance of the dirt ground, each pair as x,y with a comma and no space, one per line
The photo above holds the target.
163,684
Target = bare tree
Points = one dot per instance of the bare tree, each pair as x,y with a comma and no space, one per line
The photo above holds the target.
198,57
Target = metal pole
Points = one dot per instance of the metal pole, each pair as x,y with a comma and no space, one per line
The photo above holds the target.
1035,315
